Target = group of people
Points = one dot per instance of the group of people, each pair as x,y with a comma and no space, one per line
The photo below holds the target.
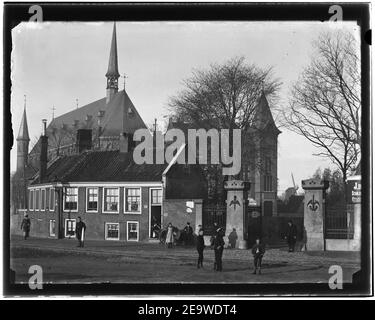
187,235
218,243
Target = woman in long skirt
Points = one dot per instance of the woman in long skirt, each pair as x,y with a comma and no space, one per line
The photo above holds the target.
169,238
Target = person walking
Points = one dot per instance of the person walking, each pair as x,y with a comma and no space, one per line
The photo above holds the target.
219,248
258,251
233,238
80,232
25,226
291,235
169,238
200,248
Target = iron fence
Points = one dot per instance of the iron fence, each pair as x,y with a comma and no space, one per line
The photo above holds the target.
339,223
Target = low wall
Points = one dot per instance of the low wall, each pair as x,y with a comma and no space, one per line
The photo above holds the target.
343,245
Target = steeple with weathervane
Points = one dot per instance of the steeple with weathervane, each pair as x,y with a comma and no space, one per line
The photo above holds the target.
112,74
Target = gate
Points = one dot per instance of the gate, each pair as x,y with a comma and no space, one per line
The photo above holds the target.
339,222
213,213
253,224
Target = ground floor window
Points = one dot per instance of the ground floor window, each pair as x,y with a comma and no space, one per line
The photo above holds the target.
112,231
70,228
52,228
133,231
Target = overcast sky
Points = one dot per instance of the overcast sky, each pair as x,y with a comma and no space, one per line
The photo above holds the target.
56,63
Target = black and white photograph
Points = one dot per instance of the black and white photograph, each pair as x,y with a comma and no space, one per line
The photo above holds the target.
190,152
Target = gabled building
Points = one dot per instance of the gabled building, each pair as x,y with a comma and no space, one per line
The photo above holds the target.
85,168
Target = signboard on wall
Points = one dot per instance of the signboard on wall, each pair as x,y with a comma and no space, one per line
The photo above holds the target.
354,191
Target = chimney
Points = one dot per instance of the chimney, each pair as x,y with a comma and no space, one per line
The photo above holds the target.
84,140
43,153
124,142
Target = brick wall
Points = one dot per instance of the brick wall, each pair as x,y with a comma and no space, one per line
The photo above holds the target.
176,212
95,221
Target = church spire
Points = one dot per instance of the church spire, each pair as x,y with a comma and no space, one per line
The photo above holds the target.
112,74
23,140
23,132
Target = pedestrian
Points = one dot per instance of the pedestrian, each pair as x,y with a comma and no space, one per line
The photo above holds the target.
233,238
304,240
200,248
80,232
169,238
218,248
188,230
258,251
291,235
25,226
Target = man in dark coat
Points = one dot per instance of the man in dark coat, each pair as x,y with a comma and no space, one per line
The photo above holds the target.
25,226
233,238
188,230
291,235
200,248
80,228
218,248
258,251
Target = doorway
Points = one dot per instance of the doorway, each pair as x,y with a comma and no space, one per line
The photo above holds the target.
156,198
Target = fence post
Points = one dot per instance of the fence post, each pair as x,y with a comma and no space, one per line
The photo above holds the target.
314,212
235,210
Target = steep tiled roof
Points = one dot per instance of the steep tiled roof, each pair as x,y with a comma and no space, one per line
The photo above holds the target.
101,166
263,118
120,115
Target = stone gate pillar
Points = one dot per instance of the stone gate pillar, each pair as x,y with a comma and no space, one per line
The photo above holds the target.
314,212
235,210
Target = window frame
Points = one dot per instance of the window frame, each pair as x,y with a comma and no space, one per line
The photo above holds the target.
31,196
127,231
43,203
37,201
268,178
87,200
64,199
118,202
66,229
52,192
50,229
106,231
140,200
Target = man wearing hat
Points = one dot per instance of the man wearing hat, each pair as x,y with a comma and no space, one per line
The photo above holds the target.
80,232
218,248
25,226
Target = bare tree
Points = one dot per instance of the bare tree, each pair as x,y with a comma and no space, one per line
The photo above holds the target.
225,96
325,103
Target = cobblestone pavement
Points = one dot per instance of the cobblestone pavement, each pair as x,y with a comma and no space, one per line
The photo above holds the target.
145,262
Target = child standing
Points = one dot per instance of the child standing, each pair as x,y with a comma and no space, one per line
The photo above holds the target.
258,251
